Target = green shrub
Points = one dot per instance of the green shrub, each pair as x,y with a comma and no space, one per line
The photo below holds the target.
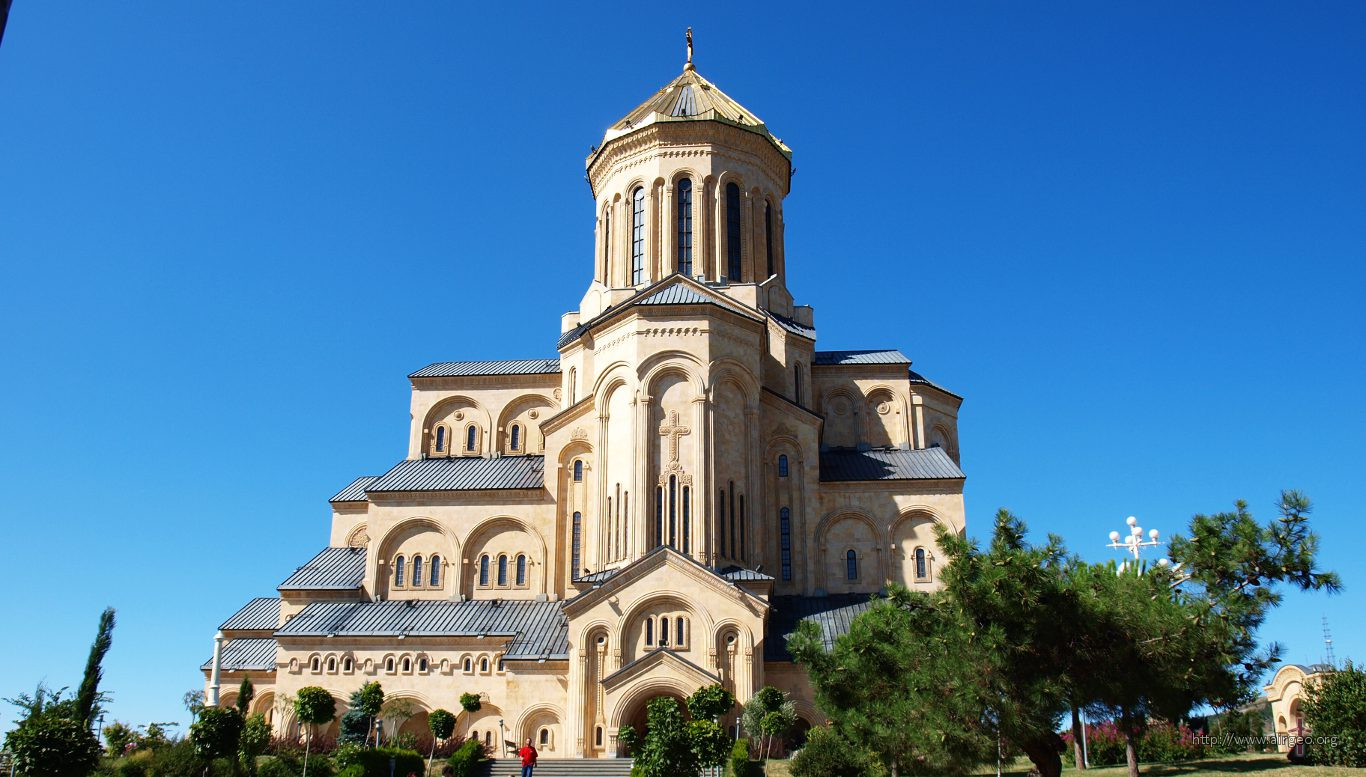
354,770
375,761
464,762
827,754
291,764
740,764
1335,707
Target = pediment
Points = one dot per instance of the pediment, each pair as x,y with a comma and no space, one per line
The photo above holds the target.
676,563
656,660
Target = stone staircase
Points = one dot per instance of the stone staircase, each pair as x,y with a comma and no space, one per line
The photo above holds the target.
561,767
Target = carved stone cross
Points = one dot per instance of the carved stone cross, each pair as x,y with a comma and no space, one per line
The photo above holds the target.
673,431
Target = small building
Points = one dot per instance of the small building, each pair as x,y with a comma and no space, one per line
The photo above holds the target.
1285,694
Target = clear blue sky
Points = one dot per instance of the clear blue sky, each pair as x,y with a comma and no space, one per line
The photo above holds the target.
1132,235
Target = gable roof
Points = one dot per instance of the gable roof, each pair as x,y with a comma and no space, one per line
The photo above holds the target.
623,576
888,464
539,630
829,358
259,614
833,614
333,569
355,490
674,289
660,655
248,654
499,367
462,473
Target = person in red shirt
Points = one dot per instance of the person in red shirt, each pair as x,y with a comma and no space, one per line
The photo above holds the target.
528,754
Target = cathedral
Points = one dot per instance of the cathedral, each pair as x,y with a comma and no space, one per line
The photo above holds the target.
652,510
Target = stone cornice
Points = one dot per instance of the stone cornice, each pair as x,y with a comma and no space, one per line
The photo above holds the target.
693,138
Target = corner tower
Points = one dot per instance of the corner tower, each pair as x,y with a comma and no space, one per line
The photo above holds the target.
690,182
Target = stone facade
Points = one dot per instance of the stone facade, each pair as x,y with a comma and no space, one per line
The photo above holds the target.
651,512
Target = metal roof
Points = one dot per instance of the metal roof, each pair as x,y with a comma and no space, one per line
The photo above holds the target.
888,464
241,655
333,569
356,491
738,574
690,97
917,378
538,629
463,473
860,357
795,328
676,294
260,614
833,614
502,367
598,577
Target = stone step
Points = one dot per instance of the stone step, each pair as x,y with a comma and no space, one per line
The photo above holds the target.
562,767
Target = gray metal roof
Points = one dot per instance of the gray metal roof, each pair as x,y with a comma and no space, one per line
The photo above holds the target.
260,614
919,379
333,569
676,294
794,327
833,614
598,577
463,473
242,655
738,574
501,367
860,357
356,491
888,464
537,629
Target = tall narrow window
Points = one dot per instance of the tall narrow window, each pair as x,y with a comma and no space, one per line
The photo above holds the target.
687,516
734,541
399,567
521,569
649,631
435,563
502,570
768,235
638,236
516,441
576,547
733,232
685,226
782,465
578,471
607,243
471,438
851,565
679,636
417,571
673,511
785,542
797,383
922,565
440,439
484,569
721,519
663,631
659,515
743,554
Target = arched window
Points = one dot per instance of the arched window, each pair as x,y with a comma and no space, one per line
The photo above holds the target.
422,665
576,546
649,631
398,572
389,664
684,197
638,235
407,665
348,664
502,570
440,439
687,516
733,265
663,631
436,571
743,533
797,383
516,438
607,240
922,564
521,569
597,735
488,739
785,542
484,569
659,515
484,665
331,664
472,438
417,571
573,384
782,465
851,565
545,738
468,666
768,235
721,519
316,664
680,637
578,470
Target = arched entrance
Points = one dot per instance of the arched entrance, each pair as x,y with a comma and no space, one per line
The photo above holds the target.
635,712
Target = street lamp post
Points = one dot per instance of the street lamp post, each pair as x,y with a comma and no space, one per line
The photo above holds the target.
1133,543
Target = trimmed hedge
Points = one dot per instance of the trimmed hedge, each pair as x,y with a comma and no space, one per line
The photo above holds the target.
375,761
740,765
464,762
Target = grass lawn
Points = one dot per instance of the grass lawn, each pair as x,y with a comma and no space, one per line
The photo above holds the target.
1251,765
